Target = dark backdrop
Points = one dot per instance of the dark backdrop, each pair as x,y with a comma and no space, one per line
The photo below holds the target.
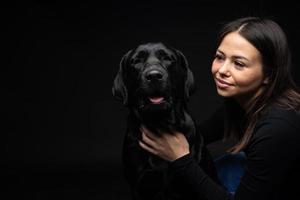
62,133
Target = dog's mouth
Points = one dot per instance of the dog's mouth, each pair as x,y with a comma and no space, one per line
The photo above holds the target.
153,103
156,100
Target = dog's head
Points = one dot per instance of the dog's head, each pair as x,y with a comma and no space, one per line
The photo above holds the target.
153,77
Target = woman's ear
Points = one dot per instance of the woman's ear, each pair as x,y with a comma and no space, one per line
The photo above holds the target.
266,80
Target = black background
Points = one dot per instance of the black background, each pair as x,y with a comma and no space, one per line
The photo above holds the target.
62,129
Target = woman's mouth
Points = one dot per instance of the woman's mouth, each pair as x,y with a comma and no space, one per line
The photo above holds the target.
222,84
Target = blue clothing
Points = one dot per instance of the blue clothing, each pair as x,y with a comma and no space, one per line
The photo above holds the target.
230,168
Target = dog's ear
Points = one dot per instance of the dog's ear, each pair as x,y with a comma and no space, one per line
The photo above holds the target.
119,89
189,85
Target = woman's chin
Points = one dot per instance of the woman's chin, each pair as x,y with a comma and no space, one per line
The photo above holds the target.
224,93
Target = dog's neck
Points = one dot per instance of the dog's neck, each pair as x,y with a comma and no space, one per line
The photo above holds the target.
177,119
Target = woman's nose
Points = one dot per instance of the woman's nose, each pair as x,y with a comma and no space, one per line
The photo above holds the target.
224,69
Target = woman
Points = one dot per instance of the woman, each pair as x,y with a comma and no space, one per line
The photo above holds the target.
251,69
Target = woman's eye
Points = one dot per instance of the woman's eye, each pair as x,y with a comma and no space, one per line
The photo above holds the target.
239,64
218,57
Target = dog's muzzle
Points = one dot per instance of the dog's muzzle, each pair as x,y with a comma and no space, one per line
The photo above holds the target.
156,93
154,80
154,72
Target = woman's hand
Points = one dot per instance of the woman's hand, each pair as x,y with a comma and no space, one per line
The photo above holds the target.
167,146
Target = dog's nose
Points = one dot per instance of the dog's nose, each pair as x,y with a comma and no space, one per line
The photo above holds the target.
154,75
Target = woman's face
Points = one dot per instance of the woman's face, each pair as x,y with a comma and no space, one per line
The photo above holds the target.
237,69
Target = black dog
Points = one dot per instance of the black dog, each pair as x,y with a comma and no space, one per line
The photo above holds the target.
155,83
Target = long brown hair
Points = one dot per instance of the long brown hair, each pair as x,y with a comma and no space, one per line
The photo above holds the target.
270,40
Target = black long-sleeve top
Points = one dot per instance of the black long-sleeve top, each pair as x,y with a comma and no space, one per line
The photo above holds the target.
272,161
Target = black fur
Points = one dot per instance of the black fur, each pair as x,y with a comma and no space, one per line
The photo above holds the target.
149,71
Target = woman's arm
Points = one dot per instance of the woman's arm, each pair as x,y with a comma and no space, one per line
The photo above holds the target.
175,148
267,166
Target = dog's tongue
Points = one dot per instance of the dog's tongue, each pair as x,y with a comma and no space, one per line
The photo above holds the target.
156,100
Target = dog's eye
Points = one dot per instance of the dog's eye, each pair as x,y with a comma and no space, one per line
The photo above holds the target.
136,60
164,56
168,58
142,54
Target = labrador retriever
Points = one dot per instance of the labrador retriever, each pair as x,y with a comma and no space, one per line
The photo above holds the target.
155,83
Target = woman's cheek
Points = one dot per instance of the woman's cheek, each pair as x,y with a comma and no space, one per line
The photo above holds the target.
214,68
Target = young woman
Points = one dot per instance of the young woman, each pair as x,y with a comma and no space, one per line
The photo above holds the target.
251,69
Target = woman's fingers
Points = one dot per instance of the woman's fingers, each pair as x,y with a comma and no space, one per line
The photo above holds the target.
149,141
148,133
168,146
147,148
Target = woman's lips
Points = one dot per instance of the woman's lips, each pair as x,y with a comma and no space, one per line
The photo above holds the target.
222,84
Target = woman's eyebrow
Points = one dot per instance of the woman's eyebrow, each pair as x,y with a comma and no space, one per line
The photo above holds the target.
235,56
241,57
219,51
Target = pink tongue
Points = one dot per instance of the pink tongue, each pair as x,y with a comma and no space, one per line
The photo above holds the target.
156,99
